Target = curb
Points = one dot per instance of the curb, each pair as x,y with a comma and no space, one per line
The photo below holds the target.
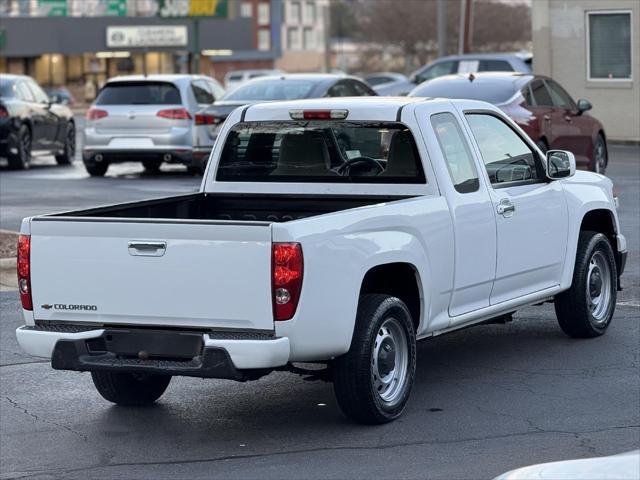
8,276
6,263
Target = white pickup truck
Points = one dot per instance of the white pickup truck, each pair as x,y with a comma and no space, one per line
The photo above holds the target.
335,232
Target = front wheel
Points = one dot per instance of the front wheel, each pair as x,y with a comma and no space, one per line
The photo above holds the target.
22,159
131,389
66,158
586,309
600,158
151,166
372,381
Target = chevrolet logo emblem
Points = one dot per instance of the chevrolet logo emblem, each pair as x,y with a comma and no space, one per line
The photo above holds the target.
46,306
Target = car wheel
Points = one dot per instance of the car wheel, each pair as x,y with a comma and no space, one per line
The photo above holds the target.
22,159
130,388
69,146
151,166
586,309
373,380
96,169
542,145
600,157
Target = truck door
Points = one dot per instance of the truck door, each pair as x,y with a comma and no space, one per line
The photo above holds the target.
531,212
472,214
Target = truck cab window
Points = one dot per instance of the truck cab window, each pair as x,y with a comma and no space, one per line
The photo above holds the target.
506,156
455,152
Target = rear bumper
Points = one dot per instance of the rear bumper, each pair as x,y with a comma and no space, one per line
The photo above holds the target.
224,357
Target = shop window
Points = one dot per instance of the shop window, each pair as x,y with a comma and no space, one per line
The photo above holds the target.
609,45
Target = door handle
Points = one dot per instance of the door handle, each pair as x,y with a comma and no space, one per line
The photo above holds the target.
506,208
147,249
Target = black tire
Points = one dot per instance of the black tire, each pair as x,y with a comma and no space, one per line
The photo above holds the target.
151,166
600,155
67,156
131,389
353,373
22,159
595,271
96,169
542,145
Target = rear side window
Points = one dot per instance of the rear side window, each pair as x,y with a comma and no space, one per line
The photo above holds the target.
7,89
202,92
139,93
456,153
24,92
494,66
320,151
559,97
540,94
506,156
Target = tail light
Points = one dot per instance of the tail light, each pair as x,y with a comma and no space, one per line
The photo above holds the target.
24,271
287,272
205,119
4,113
96,114
175,114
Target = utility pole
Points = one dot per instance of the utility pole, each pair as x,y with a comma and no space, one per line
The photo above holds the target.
442,27
196,47
466,17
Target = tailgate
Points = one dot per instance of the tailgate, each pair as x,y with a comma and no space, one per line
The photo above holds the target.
213,275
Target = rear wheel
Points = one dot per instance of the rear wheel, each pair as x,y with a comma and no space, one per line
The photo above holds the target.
373,379
130,388
586,309
66,158
600,156
151,166
96,169
22,159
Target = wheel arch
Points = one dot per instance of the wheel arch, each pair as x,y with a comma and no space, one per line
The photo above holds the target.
399,279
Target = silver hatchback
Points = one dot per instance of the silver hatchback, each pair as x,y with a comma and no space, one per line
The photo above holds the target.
151,119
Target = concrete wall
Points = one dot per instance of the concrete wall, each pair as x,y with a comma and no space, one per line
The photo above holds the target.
560,51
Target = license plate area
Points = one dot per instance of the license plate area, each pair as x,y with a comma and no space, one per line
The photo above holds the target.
147,344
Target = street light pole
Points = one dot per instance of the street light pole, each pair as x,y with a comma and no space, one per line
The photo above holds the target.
442,27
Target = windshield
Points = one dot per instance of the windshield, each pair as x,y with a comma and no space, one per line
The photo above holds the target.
272,90
139,93
320,151
492,92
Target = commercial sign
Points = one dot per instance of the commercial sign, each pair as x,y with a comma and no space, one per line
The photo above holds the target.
85,8
147,36
52,8
192,8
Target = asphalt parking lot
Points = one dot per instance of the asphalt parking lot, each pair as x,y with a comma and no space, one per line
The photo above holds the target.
486,400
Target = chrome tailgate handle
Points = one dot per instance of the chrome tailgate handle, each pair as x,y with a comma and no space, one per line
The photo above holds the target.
147,249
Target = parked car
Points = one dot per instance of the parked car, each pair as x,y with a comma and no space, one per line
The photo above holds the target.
467,63
235,78
300,248
149,119
539,105
31,125
624,466
382,78
61,95
283,87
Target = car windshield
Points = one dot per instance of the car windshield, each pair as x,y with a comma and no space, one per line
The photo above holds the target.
491,91
139,93
320,151
272,90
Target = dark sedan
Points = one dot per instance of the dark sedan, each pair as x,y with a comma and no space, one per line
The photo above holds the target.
281,87
542,108
30,124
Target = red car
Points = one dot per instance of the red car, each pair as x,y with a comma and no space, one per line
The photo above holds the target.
538,104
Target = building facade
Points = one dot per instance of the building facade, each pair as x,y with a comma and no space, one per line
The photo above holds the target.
592,48
72,42
304,34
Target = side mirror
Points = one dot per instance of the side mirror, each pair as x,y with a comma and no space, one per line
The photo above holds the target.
560,164
584,105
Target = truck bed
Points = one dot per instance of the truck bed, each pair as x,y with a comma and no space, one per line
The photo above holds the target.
234,207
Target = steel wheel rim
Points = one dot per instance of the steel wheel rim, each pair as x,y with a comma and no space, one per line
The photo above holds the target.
390,361
598,287
600,158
